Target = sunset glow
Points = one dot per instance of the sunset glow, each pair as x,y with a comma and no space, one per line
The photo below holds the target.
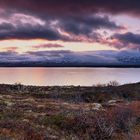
54,33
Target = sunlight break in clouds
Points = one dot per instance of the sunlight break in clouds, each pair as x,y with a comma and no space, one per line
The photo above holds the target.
52,26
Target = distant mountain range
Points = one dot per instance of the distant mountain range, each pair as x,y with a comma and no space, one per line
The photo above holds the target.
129,60
124,62
73,59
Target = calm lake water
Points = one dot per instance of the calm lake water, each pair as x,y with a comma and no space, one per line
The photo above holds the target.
68,76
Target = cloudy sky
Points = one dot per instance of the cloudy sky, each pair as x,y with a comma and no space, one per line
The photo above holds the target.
71,30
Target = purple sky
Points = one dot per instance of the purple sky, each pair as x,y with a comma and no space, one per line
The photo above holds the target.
83,30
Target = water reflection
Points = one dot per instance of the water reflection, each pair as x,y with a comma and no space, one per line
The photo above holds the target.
68,76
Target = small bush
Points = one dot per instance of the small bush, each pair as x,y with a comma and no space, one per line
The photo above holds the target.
113,83
56,120
11,114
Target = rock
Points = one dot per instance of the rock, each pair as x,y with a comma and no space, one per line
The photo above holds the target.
9,103
94,106
115,101
112,101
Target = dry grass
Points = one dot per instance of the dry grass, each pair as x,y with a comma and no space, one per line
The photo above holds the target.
25,115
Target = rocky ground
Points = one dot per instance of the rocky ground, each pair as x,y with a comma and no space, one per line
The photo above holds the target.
103,112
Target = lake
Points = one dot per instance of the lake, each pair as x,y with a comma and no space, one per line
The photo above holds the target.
68,76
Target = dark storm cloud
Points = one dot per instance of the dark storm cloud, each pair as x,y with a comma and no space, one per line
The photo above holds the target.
86,24
62,20
27,31
128,38
63,7
19,27
5,26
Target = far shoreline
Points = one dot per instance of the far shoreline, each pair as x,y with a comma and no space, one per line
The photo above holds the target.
69,66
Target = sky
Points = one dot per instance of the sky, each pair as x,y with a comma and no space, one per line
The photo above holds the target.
77,31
